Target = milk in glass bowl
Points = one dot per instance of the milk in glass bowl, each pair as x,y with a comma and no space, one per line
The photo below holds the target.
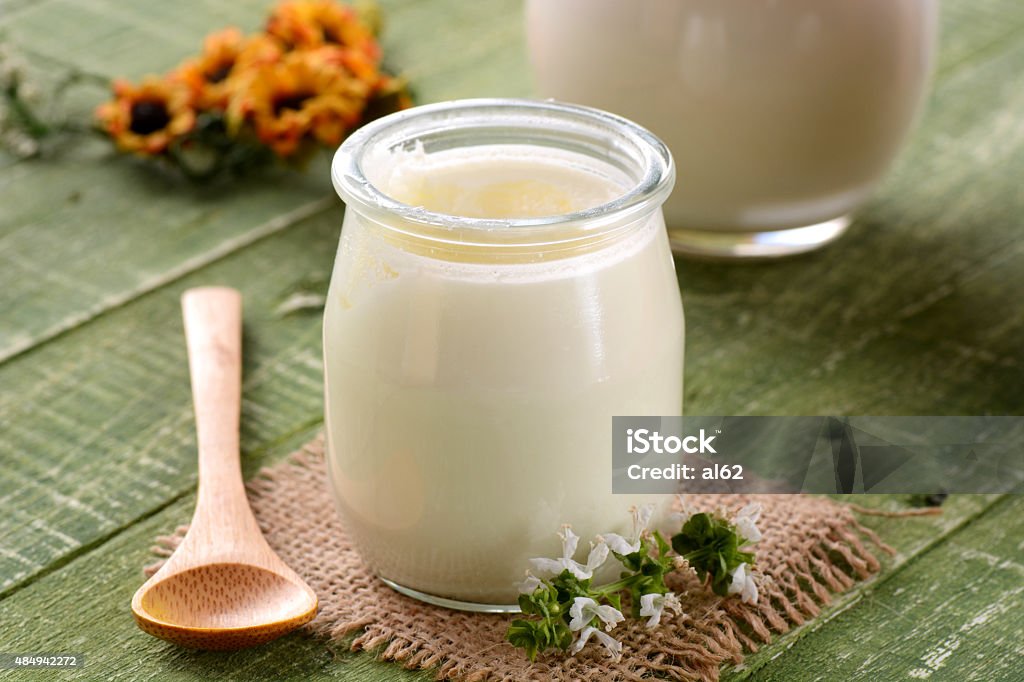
503,286
782,114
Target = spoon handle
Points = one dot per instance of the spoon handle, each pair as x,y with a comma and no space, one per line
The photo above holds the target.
213,332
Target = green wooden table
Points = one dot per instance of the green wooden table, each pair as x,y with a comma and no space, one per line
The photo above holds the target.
919,310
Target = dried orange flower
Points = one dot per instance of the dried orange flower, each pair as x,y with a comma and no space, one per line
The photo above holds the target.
304,24
305,95
226,54
145,118
312,77
386,94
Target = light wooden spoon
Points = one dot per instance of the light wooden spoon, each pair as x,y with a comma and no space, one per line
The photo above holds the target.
223,588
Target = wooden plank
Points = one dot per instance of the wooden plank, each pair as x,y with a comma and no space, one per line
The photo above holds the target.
37,618
98,427
124,39
90,230
84,608
452,50
955,613
9,7
970,30
94,232
912,538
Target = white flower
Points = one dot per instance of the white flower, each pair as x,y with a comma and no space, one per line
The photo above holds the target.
743,584
584,609
746,522
613,645
678,519
653,605
530,585
549,568
641,519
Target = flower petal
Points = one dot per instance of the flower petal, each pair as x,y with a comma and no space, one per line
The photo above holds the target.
612,645
569,542
610,616
547,568
678,519
651,606
579,570
642,519
582,612
753,510
598,555
672,603
746,522
749,593
739,578
620,545
581,641
529,585
744,585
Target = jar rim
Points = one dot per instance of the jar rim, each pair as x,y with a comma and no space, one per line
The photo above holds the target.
601,134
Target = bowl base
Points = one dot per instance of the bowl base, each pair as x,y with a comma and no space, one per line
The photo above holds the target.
719,245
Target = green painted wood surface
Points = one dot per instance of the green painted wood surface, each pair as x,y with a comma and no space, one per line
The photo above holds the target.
100,431
955,613
917,311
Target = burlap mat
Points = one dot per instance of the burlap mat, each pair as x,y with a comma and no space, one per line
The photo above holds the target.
812,548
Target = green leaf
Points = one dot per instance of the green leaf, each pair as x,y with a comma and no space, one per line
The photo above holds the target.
662,545
523,635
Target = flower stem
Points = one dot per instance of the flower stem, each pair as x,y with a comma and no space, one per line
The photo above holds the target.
612,588
33,126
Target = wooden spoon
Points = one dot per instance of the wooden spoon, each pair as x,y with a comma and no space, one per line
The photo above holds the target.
223,588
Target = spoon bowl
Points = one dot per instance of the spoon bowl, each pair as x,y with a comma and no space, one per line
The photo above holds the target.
223,606
224,587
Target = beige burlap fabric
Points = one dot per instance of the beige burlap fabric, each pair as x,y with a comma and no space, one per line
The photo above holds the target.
812,548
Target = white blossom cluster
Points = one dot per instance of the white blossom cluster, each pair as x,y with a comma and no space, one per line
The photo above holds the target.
585,610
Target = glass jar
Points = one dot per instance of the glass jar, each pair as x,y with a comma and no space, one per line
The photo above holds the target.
785,113
473,362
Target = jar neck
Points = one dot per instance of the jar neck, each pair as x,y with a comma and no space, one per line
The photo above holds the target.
640,162
455,247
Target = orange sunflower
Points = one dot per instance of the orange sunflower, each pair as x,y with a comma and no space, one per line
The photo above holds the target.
304,96
305,24
225,54
145,118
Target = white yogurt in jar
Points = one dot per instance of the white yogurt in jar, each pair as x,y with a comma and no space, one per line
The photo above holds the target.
469,401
